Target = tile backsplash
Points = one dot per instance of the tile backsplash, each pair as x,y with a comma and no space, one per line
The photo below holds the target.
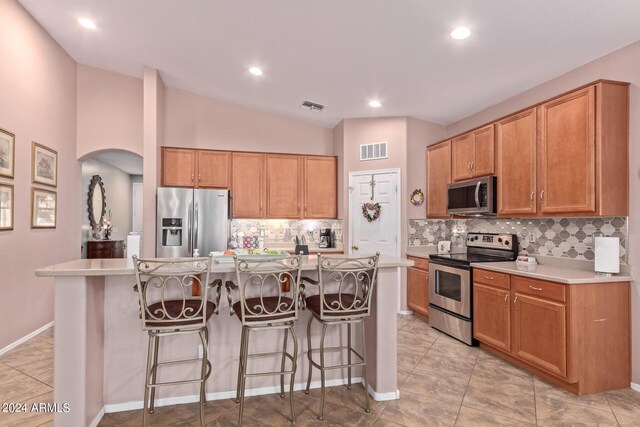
558,237
283,231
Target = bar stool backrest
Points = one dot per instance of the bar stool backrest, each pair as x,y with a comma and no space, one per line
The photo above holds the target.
165,287
268,289
352,279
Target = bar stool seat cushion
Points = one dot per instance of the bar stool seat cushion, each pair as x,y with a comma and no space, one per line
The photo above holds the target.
331,307
270,305
173,310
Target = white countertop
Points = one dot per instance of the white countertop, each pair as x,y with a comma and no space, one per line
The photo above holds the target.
551,273
124,266
425,251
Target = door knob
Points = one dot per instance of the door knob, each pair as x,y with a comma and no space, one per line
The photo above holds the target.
355,248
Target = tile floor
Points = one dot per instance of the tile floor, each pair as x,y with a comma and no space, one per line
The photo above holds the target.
441,381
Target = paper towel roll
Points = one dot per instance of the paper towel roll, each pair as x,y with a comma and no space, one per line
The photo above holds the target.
607,251
133,245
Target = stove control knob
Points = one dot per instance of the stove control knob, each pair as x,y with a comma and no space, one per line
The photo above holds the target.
506,242
499,239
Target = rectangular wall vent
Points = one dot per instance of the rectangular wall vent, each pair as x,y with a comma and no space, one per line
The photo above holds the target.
377,150
312,106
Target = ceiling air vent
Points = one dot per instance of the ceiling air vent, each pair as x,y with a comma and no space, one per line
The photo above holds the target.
311,106
377,150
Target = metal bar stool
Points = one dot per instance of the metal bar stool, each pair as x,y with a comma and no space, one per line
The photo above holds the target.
268,299
164,287
344,298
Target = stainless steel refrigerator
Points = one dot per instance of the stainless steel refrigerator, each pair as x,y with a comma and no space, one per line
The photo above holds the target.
189,219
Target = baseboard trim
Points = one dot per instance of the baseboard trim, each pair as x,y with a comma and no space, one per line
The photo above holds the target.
383,397
635,386
128,406
97,419
25,338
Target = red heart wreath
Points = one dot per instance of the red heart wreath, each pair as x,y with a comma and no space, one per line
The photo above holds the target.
371,211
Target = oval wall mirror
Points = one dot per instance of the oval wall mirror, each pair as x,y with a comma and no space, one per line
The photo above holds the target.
97,201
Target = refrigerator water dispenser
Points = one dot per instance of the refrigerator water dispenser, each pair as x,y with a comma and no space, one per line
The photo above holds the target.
171,231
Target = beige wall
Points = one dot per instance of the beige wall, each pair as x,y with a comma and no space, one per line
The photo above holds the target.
38,87
420,134
197,121
623,65
109,111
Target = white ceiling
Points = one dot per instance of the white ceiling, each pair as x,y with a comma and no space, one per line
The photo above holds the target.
343,53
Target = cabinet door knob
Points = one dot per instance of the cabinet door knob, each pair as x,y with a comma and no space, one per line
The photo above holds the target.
473,166
192,177
488,277
355,248
542,195
506,300
533,194
534,288
515,301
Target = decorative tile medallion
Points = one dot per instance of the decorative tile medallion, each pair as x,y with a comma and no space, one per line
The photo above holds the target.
558,237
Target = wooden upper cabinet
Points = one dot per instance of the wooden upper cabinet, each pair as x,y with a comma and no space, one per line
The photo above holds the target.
472,154
438,176
540,335
178,167
484,145
492,316
248,185
214,169
567,154
462,154
284,184
320,187
516,147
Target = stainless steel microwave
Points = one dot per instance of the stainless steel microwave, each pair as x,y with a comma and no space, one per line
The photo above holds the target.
473,197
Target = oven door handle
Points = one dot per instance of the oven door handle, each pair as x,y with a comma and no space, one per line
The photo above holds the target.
478,194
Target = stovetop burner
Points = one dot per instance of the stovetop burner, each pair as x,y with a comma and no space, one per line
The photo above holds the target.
484,247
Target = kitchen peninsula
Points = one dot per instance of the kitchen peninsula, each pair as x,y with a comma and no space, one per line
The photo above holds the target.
100,350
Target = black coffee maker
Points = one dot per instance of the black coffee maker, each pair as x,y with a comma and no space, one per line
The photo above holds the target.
326,241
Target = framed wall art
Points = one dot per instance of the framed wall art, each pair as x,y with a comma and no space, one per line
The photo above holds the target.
7,153
44,165
43,208
6,207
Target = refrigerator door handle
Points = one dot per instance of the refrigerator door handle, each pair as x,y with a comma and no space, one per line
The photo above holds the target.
189,233
195,227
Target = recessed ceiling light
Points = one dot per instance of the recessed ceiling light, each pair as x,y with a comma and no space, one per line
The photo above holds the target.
255,71
461,33
375,103
87,23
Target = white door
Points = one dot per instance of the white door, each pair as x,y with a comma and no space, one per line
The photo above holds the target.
383,234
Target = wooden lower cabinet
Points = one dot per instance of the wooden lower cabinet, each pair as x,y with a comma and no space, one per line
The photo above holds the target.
540,333
418,290
492,319
576,336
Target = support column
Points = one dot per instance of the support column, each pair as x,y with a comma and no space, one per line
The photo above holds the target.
153,138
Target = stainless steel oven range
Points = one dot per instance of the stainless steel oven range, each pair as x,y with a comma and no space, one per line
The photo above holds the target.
451,279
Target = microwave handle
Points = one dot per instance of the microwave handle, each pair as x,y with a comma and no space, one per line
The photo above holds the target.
478,194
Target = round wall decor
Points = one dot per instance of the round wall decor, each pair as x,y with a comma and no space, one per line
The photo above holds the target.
417,197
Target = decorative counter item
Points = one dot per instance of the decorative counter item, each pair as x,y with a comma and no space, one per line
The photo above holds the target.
417,197
106,225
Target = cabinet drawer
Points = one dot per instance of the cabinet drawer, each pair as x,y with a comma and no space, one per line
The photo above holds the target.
493,278
420,263
539,288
